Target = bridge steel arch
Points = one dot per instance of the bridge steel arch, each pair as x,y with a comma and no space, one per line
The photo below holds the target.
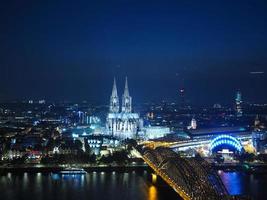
191,178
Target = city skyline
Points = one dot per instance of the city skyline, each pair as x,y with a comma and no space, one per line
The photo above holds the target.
72,51
133,99
179,99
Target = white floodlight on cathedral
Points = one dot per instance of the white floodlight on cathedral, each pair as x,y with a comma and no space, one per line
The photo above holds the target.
122,123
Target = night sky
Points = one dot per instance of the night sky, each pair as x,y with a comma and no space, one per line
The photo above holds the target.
71,50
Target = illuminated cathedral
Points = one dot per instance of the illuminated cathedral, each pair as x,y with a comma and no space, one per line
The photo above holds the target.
122,122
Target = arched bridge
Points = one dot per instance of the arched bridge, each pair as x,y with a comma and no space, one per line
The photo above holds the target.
191,178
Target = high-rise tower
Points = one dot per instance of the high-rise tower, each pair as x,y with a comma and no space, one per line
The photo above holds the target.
126,99
193,123
114,99
182,97
238,104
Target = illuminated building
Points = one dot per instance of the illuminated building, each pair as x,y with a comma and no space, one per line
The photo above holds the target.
154,132
225,143
259,140
150,115
193,124
208,133
42,101
83,118
125,123
98,143
238,104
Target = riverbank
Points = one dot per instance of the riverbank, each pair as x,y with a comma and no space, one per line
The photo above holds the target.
227,167
243,167
57,168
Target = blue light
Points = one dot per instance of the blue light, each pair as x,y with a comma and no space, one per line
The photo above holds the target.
225,140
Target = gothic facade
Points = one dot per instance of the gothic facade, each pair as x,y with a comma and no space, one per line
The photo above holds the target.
122,123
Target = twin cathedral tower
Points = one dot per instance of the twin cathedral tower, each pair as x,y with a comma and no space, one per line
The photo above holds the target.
122,123
126,99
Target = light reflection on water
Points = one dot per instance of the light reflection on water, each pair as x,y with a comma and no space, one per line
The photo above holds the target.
233,182
55,177
100,186
113,186
152,193
240,183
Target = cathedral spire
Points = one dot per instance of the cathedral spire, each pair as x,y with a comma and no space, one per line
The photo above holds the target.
126,89
126,99
114,89
114,99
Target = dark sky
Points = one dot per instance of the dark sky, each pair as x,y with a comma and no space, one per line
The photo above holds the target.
71,50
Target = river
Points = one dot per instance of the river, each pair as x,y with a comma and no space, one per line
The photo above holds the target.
113,186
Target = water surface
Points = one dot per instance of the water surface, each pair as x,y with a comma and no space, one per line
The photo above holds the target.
113,186
92,186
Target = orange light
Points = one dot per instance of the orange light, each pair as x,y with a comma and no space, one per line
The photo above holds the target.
153,193
154,178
